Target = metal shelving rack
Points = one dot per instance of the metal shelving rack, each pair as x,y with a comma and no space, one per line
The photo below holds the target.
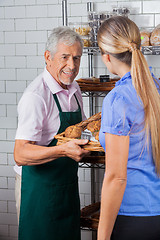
90,52
146,50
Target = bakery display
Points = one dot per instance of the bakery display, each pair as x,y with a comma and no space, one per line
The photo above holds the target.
155,36
73,132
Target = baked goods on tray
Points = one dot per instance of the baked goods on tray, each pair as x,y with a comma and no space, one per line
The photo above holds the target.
74,132
150,37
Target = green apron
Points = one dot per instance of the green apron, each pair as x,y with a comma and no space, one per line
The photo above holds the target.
50,205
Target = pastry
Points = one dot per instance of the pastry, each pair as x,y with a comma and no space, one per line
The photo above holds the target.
97,136
155,36
145,38
94,126
91,126
73,132
83,31
86,42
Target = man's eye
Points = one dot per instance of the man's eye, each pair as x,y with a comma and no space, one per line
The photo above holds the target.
64,57
77,58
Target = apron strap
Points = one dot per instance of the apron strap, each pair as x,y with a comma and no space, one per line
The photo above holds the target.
77,101
57,102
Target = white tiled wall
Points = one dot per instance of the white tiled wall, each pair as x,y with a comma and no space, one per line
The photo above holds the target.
24,27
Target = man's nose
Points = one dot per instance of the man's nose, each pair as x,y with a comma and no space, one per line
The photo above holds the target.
71,63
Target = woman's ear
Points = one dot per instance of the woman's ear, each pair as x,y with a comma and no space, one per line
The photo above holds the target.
106,58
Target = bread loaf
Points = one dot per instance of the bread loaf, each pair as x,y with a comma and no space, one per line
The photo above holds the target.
145,38
155,36
73,132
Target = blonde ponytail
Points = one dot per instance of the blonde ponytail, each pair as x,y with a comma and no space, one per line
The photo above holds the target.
147,91
120,37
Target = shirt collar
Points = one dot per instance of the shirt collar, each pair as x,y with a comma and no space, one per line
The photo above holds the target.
126,77
55,87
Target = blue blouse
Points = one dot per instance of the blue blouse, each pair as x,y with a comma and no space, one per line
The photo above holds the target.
123,114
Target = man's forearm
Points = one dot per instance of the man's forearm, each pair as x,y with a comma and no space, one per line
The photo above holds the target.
27,153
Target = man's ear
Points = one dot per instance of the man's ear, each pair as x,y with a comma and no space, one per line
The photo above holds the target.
47,56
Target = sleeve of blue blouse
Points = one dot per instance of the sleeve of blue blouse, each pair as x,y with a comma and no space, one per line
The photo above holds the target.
114,115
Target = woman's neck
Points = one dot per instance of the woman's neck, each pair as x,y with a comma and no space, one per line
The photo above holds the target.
119,68
121,71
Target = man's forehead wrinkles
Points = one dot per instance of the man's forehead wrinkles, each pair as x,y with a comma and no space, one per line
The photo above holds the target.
65,54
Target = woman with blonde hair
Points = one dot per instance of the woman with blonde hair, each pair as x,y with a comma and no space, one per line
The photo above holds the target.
130,135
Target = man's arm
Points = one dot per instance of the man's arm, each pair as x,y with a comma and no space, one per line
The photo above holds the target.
28,153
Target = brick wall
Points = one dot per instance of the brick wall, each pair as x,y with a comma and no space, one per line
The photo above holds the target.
24,27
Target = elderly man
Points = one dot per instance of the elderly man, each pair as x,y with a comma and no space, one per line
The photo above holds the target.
50,206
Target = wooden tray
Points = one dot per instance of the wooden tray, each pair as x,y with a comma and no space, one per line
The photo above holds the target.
90,216
95,85
91,146
96,89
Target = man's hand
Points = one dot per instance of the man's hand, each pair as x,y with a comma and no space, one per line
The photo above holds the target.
73,149
28,153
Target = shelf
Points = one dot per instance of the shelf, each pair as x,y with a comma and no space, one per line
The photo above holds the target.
93,162
93,94
92,165
146,50
91,50
151,50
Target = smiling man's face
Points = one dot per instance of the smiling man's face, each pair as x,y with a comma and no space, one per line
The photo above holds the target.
64,66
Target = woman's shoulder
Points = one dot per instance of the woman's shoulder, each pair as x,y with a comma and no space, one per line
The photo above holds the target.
121,92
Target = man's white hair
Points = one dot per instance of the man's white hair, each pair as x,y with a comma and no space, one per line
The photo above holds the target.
62,35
